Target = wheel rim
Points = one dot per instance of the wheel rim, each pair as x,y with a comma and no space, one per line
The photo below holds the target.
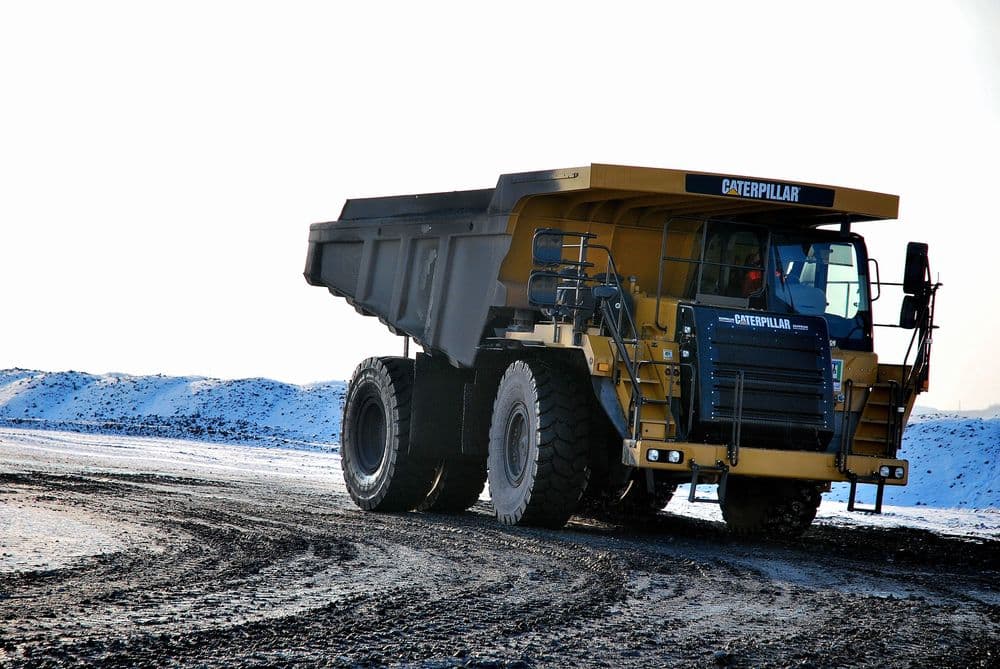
516,445
370,442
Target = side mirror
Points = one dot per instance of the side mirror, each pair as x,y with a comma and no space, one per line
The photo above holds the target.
547,247
917,270
543,289
909,313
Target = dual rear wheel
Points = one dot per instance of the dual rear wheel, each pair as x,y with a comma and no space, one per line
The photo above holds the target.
537,455
380,471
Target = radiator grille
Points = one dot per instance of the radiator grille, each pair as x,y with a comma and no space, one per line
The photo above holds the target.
787,377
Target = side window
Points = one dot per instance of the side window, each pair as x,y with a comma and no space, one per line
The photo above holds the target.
821,278
711,273
843,286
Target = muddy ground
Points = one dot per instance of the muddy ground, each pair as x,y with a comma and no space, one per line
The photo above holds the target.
259,571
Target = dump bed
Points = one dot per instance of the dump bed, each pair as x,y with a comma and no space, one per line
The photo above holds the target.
439,266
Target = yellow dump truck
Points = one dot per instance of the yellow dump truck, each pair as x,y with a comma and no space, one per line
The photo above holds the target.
599,335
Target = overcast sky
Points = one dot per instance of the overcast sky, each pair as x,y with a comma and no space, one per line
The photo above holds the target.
160,162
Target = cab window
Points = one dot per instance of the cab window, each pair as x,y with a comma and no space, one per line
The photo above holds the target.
731,266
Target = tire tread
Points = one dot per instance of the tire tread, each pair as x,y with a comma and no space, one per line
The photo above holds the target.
561,469
409,476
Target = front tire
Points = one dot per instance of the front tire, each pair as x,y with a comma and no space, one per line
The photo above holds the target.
776,508
537,463
380,473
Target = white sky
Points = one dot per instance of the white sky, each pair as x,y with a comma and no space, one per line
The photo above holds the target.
160,162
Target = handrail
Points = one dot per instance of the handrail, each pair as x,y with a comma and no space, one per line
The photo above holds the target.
616,322
845,422
922,337
633,379
893,432
737,436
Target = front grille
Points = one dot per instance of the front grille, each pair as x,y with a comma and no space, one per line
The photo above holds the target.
787,377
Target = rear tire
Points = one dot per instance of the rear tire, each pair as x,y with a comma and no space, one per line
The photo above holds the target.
380,473
777,508
457,485
538,452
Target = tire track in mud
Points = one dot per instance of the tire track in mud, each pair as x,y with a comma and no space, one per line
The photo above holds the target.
228,564
264,573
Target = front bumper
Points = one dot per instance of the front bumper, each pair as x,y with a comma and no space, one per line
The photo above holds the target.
804,465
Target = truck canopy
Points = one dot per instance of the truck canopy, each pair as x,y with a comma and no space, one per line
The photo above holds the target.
432,266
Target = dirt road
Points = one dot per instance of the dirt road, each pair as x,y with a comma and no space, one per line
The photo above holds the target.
228,569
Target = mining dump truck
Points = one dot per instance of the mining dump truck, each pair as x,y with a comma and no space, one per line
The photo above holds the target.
593,337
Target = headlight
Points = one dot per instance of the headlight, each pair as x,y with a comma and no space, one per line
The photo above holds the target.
653,455
900,472
674,457
885,471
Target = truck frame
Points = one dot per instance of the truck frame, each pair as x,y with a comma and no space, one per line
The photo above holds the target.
596,336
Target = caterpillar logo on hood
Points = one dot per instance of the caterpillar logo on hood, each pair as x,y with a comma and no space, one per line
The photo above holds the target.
763,321
757,189
761,190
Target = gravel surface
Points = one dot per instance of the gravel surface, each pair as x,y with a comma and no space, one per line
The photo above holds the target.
116,564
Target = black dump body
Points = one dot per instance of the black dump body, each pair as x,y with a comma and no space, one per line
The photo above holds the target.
787,398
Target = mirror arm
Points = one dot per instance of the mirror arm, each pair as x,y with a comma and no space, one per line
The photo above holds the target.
878,278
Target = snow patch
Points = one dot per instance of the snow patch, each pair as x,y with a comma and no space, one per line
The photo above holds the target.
250,411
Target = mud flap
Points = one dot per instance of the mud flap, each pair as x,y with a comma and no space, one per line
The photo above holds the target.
436,415
478,394
604,389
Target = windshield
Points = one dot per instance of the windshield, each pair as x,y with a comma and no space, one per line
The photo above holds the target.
822,278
